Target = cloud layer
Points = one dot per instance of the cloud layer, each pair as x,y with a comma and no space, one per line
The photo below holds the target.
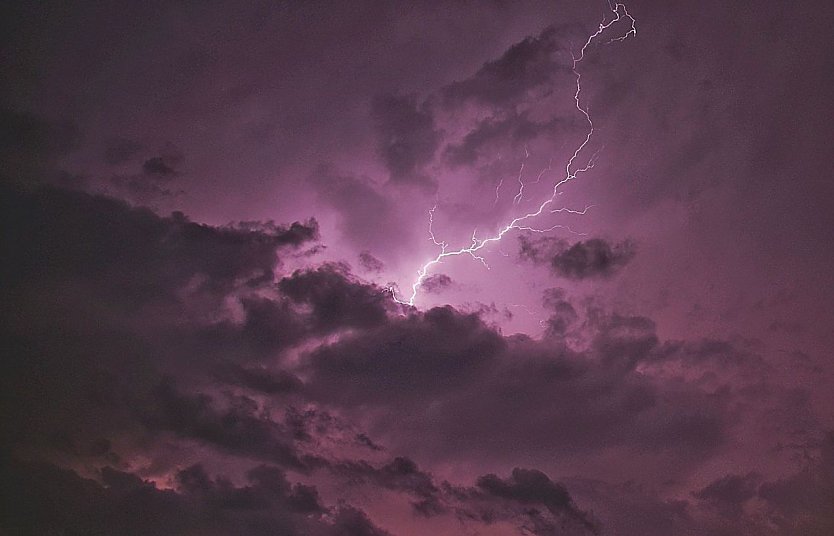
205,211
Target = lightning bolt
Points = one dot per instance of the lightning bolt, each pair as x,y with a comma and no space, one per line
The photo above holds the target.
620,13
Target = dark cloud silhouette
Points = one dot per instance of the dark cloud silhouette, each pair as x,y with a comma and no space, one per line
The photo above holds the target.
802,501
259,379
336,299
158,167
449,359
527,488
49,499
369,263
157,177
236,428
406,359
489,135
163,286
436,283
524,66
163,167
132,250
152,364
204,347
594,258
490,501
729,493
562,312
400,474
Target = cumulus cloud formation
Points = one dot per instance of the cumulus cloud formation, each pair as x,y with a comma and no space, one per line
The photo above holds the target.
121,502
212,369
187,349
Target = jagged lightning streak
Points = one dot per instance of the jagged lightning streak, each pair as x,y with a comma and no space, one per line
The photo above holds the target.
620,12
520,195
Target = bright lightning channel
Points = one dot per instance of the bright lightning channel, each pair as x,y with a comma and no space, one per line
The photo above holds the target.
620,13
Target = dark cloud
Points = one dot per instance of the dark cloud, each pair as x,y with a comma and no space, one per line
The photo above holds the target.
337,300
151,363
436,283
369,263
259,379
594,258
163,167
493,133
204,348
406,136
48,500
124,297
524,66
400,474
801,502
562,312
237,428
406,359
523,491
447,359
350,521
628,509
729,493
132,251
156,178
158,167
366,441
515,499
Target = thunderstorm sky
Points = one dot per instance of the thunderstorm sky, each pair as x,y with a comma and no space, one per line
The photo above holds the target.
405,268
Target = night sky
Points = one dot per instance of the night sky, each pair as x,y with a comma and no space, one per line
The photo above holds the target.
372,268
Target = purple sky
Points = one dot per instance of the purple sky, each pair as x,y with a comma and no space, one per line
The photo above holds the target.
209,208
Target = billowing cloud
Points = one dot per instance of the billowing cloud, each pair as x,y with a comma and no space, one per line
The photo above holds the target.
176,360
121,502
211,355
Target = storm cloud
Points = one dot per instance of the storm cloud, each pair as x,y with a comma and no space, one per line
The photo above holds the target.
188,349
594,258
